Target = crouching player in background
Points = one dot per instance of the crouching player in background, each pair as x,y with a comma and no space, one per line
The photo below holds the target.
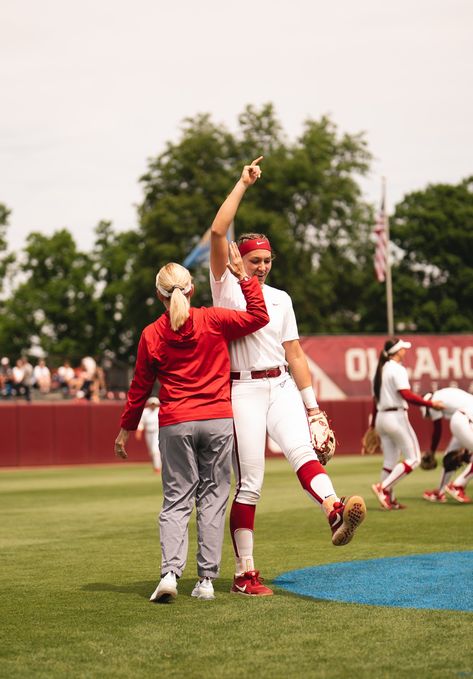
458,409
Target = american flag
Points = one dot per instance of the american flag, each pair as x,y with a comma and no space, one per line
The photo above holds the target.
200,254
381,250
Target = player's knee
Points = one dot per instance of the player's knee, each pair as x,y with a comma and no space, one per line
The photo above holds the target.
300,455
412,463
247,496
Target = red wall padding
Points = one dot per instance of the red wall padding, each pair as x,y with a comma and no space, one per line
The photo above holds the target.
62,433
34,434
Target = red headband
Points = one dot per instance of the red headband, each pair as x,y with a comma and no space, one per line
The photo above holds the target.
254,244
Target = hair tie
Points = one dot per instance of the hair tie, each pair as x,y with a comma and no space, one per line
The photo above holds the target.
168,293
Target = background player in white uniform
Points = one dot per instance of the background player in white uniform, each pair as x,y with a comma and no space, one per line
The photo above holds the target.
458,409
392,393
266,399
149,424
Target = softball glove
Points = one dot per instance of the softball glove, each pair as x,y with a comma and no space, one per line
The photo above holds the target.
323,438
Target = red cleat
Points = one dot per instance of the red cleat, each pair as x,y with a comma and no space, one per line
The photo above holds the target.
250,584
345,518
395,504
458,493
382,495
434,496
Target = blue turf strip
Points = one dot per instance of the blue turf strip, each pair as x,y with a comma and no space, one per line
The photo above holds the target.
439,581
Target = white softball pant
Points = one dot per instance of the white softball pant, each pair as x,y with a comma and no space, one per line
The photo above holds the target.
461,427
271,405
397,438
152,443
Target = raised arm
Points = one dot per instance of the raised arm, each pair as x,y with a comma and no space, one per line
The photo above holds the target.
224,217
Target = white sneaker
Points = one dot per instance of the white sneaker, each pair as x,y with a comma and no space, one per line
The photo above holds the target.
204,589
166,590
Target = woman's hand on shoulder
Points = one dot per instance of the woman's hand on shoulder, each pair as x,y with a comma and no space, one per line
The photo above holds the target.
235,263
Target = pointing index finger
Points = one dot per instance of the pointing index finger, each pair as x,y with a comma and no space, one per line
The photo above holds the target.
256,161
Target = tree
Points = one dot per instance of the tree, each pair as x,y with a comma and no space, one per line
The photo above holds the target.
7,259
433,283
113,259
308,203
54,306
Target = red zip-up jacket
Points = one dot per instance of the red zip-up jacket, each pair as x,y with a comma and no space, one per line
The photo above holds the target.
193,363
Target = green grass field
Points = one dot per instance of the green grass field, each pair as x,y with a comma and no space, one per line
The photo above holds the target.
80,557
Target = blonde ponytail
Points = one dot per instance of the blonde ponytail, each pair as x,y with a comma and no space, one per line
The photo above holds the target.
175,283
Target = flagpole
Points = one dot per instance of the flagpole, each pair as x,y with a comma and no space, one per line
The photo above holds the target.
389,285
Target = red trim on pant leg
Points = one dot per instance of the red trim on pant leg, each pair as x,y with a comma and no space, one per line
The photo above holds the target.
388,471
306,473
407,468
236,466
241,516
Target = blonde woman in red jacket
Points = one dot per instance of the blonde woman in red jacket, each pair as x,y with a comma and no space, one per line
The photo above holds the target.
186,350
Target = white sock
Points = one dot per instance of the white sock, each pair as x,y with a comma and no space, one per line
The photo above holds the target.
396,475
323,487
243,538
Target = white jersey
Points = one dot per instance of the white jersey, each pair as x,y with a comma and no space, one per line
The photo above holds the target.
149,420
41,372
262,349
394,378
453,399
66,373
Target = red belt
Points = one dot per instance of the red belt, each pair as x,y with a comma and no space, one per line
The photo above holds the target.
259,374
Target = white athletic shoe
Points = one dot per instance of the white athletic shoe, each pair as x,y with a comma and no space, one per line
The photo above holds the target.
204,589
166,590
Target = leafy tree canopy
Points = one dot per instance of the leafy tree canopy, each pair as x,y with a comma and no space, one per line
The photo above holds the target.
54,305
433,282
6,258
308,202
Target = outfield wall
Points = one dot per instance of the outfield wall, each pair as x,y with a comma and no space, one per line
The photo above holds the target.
34,434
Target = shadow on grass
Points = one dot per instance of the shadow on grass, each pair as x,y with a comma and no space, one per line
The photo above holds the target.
144,588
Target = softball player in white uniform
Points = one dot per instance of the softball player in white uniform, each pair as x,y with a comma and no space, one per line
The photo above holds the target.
266,399
458,409
149,424
392,393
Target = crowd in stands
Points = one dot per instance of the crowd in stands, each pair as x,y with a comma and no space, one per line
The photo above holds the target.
22,380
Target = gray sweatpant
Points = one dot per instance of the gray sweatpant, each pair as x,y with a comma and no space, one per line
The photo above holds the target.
196,468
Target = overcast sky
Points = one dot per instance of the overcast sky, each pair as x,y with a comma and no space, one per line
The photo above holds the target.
90,89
